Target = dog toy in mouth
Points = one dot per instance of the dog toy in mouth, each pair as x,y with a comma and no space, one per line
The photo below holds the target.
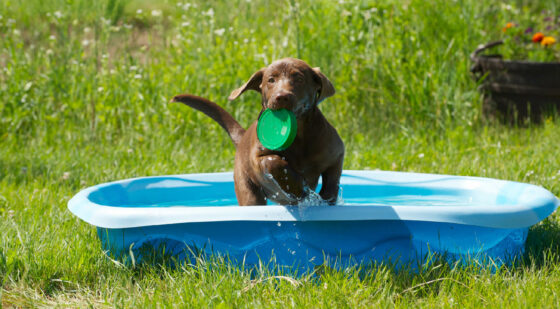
277,129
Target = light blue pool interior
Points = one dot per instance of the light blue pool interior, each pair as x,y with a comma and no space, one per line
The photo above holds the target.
185,191
401,217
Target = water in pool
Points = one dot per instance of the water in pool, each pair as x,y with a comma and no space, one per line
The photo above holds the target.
390,200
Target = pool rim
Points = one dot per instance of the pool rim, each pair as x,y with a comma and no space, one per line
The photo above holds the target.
535,208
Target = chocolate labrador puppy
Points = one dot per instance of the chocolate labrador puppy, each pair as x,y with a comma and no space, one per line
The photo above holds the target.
286,176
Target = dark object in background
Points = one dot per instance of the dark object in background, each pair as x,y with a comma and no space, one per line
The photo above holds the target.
519,90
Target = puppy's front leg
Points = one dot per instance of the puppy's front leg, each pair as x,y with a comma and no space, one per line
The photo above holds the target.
281,181
248,194
331,181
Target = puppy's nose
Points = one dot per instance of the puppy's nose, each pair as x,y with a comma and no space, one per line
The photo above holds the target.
282,100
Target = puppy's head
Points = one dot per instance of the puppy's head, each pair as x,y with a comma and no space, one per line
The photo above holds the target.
288,83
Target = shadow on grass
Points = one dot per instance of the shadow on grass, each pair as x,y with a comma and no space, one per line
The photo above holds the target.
543,244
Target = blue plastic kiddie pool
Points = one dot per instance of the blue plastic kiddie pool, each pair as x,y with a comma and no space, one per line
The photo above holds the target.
385,217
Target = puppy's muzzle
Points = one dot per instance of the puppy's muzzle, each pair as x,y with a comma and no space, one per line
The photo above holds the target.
281,100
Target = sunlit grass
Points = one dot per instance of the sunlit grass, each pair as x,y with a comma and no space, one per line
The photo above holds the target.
84,91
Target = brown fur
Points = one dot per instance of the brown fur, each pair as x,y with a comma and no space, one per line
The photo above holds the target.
282,176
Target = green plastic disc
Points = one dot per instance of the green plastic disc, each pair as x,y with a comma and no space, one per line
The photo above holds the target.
276,129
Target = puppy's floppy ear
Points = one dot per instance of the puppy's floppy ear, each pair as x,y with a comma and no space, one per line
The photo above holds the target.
326,87
254,83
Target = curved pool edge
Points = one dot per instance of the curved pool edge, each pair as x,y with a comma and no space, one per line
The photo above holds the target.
535,205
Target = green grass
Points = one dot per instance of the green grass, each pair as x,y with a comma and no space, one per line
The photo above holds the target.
83,100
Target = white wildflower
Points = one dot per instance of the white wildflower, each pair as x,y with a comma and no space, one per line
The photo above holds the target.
137,76
85,43
133,68
209,13
57,14
139,11
87,30
27,86
49,52
52,38
100,89
421,155
16,32
156,13
220,32
127,26
66,175
185,24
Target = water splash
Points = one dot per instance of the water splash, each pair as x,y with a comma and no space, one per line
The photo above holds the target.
339,199
312,198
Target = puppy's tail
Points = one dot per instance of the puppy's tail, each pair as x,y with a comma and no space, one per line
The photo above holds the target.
214,111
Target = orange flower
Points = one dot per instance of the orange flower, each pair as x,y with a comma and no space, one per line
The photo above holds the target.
547,41
538,37
508,25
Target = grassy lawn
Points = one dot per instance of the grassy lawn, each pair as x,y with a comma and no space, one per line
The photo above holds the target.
84,88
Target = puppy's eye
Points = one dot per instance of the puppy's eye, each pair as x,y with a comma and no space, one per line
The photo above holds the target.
298,79
271,80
